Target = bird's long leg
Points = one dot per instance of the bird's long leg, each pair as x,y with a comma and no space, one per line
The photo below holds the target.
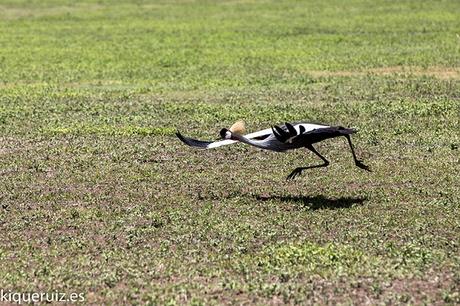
298,171
358,162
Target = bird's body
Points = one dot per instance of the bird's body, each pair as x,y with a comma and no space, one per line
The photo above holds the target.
281,139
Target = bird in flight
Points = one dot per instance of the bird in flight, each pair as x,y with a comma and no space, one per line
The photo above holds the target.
280,139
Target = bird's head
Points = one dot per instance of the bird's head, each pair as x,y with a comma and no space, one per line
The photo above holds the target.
225,133
237,128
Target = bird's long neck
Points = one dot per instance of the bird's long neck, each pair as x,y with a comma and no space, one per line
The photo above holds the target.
258,144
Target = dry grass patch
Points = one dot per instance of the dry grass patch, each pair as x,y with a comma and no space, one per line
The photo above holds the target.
443,73
10,12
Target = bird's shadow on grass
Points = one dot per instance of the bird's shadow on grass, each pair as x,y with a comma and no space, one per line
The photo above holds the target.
316,202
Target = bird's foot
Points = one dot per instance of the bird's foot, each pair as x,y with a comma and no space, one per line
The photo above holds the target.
360,164
295,173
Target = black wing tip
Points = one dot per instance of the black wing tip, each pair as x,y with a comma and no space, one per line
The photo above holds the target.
278,136
279,133
301,129
291,129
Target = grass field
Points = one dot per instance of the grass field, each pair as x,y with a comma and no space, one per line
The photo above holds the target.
98,196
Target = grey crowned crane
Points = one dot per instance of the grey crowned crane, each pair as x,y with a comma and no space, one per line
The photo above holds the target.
281,138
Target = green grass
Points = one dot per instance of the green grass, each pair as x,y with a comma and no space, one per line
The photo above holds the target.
98,196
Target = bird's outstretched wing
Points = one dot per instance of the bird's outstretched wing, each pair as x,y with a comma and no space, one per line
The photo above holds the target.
288,133
215,144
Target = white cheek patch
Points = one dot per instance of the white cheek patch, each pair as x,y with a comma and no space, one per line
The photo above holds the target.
228,135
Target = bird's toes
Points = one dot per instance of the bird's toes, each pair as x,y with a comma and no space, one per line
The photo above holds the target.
294,174
362,166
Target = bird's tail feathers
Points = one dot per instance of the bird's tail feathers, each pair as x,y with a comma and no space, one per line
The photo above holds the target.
346,131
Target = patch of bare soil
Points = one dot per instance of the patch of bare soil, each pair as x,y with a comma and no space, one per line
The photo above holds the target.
443,73
12,12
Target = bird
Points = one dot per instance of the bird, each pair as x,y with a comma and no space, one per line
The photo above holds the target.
281,138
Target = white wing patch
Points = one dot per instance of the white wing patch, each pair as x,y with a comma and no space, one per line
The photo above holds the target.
220,143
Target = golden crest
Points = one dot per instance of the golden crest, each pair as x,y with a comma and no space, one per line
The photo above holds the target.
238,127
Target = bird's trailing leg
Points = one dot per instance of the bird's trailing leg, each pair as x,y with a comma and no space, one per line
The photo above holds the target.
358,162
298,171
